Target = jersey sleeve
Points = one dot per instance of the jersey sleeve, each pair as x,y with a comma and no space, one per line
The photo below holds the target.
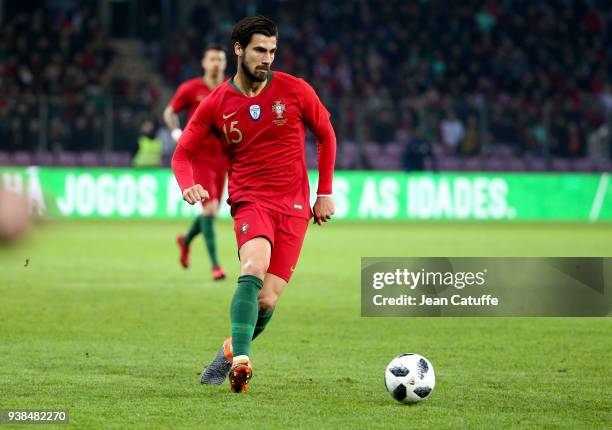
180,99
191,140
316,118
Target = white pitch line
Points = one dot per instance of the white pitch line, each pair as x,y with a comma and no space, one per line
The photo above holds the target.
599,198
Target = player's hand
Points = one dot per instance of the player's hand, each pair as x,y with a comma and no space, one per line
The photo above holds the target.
323,210
176,134
195,194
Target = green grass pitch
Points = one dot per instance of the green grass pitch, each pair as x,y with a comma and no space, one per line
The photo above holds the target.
103,322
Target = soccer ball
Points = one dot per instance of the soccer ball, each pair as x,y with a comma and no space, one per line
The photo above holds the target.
410,378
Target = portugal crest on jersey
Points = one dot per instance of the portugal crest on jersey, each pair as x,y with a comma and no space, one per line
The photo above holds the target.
278,108
255,111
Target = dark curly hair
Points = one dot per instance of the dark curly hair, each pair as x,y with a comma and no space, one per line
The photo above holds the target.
247,27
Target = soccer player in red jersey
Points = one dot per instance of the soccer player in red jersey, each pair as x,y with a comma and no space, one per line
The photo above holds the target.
210,166
262,117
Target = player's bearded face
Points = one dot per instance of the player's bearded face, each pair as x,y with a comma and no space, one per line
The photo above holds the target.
258,56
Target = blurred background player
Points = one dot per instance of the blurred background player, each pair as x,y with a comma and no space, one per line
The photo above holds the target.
210,166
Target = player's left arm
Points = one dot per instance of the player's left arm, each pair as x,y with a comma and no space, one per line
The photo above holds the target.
316,118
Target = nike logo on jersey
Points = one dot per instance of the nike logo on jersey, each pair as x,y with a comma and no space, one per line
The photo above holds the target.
229,115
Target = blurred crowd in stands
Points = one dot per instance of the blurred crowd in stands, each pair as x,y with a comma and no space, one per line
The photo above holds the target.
54,65
417,84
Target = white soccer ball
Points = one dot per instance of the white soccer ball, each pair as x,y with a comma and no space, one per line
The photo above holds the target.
410,378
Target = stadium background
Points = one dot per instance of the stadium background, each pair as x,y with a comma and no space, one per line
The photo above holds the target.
458,112
512,85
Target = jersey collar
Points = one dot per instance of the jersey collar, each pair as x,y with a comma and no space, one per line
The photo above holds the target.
269,80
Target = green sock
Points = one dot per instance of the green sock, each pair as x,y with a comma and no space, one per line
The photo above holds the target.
263,318
243,313
206,226
193,231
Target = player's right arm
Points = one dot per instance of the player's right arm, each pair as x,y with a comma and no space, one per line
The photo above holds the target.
198,127
176,105
172,122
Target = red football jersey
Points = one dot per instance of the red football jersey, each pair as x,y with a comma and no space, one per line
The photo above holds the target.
188,96
265,139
